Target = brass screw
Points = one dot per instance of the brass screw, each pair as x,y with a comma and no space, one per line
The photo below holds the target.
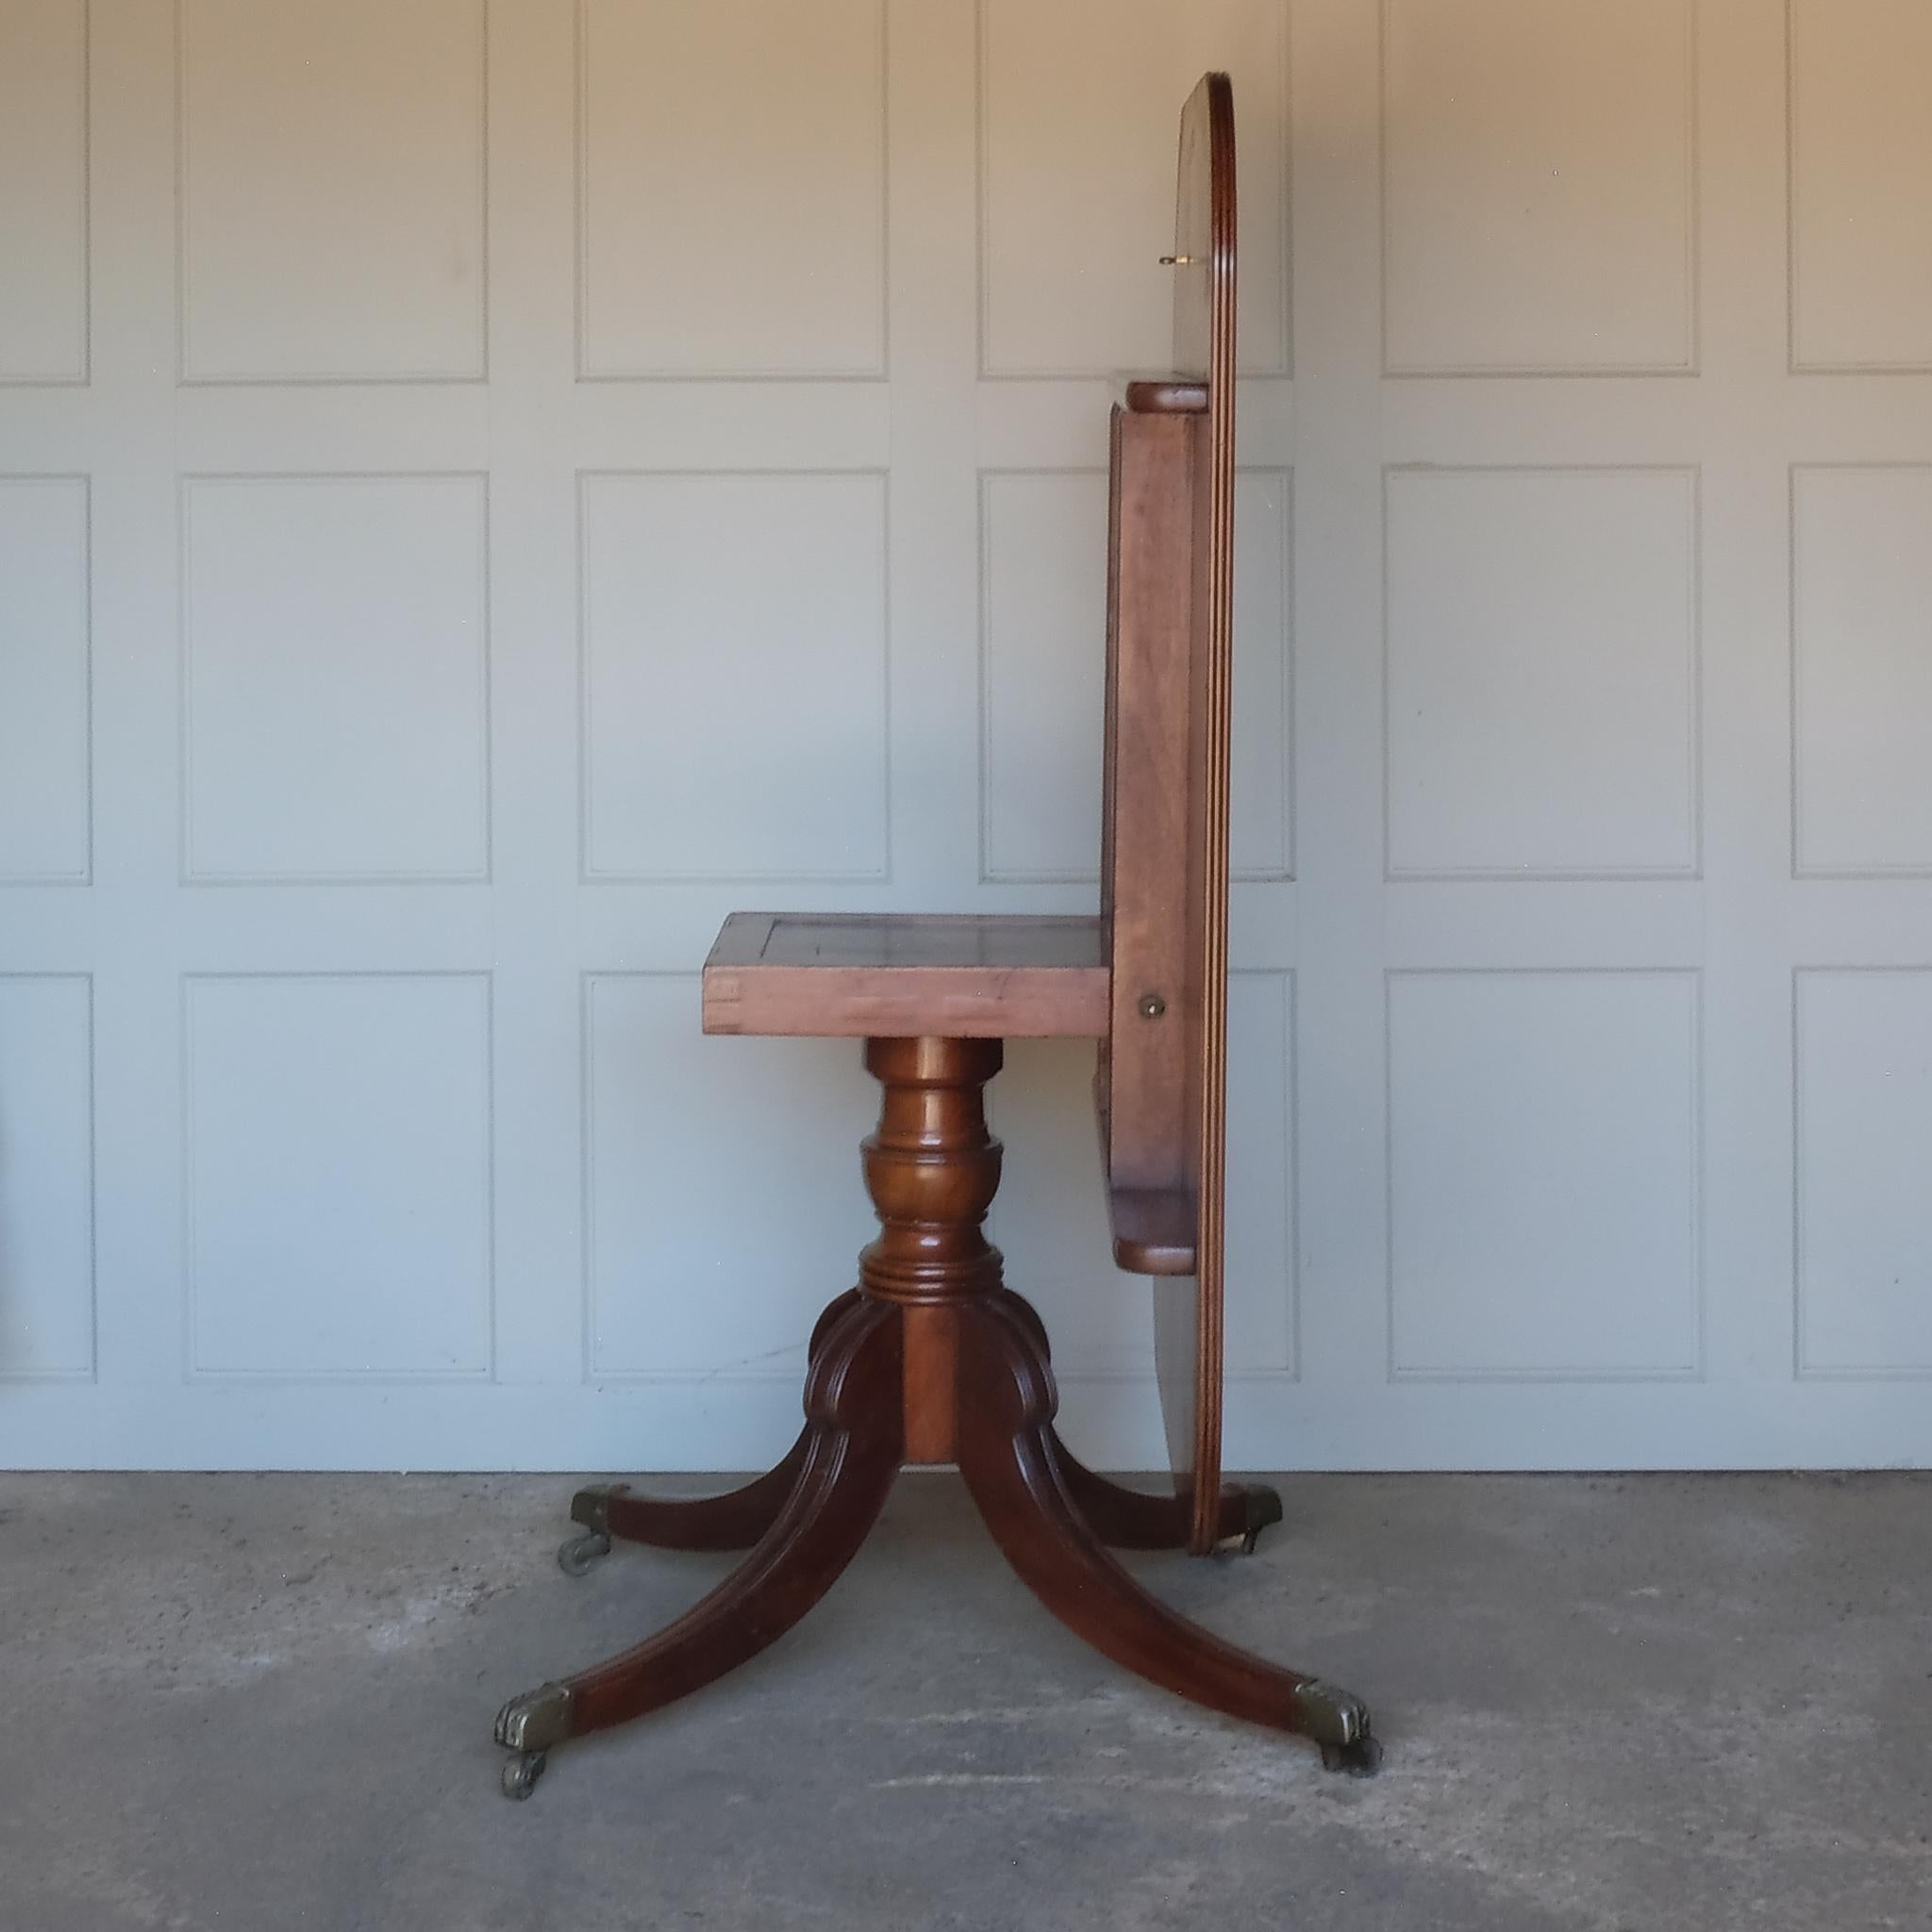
1180,261
1151,1005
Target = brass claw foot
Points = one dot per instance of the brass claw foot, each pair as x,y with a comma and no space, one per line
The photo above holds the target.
590,1506
528,1725
1338,1721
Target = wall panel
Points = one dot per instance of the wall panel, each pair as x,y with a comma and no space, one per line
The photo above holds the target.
1861,580
1864,1128
735,228
331,191
1542,673
45,681
334,665
735,675
1544,1151
1539,186
43,192
47,1177
337,1204
1860,241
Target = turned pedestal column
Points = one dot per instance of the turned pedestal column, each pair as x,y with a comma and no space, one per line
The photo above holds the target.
932,1170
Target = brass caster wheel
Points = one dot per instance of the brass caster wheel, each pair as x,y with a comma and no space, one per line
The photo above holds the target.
576,1556
1338,1720
521,1773
1359,1760
1260,1507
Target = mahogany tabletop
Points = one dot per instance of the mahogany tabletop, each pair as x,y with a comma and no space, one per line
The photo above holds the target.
963,975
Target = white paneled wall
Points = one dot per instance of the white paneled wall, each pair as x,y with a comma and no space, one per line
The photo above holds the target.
488,487
731,216
359,1105
1861,238
1543,1132
334,678
1861,667
331,191
44,97
1539,180
746,609
1540,629
46,1176
45,673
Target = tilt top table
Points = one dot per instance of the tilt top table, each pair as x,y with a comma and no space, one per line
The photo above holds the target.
931,1359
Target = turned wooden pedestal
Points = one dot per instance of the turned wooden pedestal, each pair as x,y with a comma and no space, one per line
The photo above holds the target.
930,1359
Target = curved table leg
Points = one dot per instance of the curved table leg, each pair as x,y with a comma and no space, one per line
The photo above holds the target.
734,1521
854,1440
1131,1519
1012,1466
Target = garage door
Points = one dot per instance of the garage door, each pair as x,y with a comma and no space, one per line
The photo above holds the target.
488,489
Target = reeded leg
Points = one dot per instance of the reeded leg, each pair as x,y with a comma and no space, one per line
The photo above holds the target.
854,1440
731,1521
1130,1519
1012,1466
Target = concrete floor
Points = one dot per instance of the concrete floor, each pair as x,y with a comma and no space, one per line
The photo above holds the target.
1654,1702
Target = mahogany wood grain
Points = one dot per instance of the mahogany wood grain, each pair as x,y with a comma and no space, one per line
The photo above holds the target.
977,976
1012,1466
932,1384
1154,1027
734,1521
1153,1229
855,1438
931,1168
1163,1077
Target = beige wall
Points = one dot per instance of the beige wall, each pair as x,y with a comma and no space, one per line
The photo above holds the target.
484,491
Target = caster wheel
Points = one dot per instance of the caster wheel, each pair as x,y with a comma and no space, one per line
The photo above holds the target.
521,1773
1358,1759
1263,1507
575,1557
1241,1546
